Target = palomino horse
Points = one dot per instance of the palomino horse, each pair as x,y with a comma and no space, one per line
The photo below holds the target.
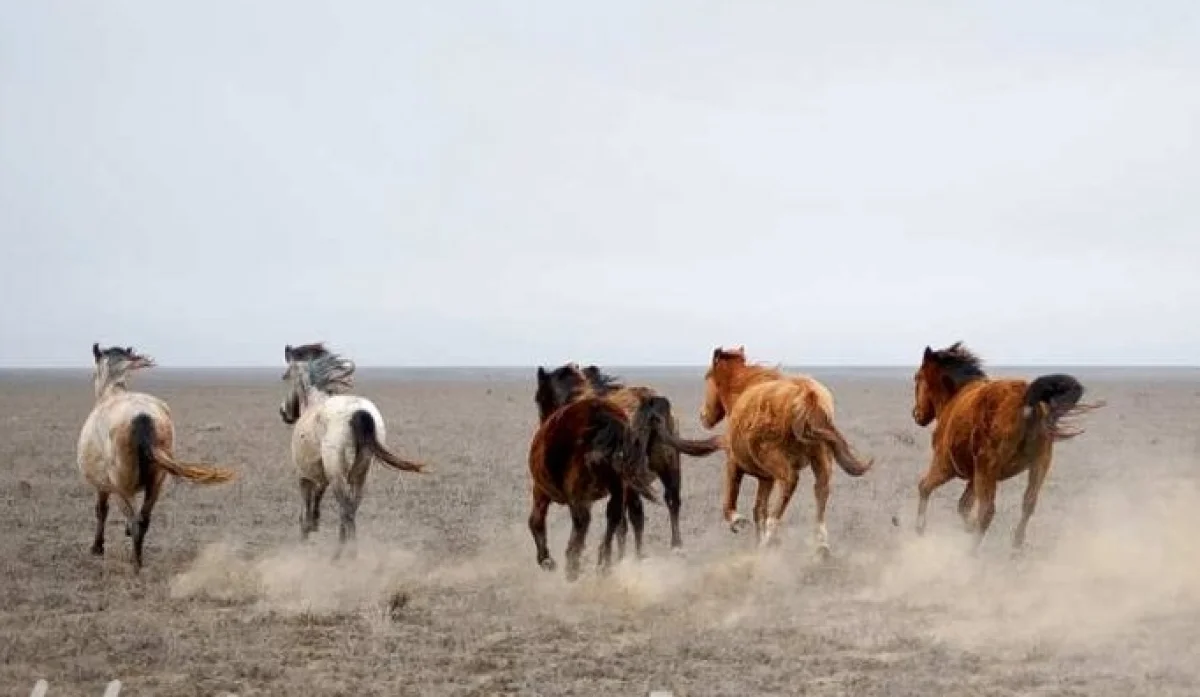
127,445
579,454
989,430
777,425
663,445
335,435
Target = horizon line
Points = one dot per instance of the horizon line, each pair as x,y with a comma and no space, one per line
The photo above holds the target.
526,366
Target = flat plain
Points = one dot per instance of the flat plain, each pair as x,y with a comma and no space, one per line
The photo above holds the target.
445,598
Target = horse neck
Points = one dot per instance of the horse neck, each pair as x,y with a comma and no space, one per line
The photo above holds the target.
110,385
942,398
740,378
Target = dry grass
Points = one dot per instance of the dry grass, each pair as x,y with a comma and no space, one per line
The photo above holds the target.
445,598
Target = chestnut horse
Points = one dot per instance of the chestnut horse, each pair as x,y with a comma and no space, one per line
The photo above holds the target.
661,441
126,445
778,424
989,430
579,454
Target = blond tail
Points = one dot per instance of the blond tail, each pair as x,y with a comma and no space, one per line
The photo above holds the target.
200,474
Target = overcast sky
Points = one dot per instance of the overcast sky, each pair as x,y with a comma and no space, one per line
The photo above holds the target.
621,182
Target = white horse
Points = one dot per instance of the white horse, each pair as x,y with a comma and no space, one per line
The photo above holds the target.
335,435
126,445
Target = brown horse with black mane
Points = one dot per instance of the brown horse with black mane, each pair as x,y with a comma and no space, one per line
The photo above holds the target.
778,424
579,454
660,436
989,430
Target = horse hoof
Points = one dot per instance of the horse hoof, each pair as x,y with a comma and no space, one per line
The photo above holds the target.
572,575
547,564
739,524
823,553
98,550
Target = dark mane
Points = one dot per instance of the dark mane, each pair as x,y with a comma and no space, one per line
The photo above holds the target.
959,363
306,352
602,382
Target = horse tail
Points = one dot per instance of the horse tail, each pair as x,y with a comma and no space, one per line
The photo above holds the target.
615,440
150,454
362,425
652,419
814,425
1050,399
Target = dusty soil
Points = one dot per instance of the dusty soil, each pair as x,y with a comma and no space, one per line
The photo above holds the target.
445,597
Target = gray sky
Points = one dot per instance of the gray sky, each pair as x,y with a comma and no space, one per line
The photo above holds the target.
621,182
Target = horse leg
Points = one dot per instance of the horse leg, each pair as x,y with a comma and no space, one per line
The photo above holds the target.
581,518
348,496
318,494
787,489
822,474
637,518
733,486
1037,477
101,519
307,489
622,533
762,503
537,527
937,475
149,498
670,473
985,501
965,501
615,516
131,522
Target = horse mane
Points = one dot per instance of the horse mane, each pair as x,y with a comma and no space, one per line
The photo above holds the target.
959,364
330,372
309,352
601,382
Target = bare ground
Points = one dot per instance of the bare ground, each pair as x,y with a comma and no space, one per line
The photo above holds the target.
445,597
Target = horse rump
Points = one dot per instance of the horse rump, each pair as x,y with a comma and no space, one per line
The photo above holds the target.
651,420
610,439
1061,395
362,425
814,425
149,454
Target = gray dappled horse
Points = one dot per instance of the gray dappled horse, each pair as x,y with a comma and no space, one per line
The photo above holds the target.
126,445
335,435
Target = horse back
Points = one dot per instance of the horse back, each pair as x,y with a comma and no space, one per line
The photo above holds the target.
106,452
983,422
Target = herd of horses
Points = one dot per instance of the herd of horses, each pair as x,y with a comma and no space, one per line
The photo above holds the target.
598,438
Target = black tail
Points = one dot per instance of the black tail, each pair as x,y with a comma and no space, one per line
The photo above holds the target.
653,420
362,425
1060,393
143,446
613,440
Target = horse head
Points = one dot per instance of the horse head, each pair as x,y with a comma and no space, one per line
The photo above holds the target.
556,388
113,365
716,382
941,375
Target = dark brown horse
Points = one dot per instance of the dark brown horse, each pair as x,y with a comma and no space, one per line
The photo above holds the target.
778,425
660,437
580,454
989,430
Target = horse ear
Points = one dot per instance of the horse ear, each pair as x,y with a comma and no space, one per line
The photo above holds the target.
740,350
928,353
541,374
129,350
716,354
287,353
96,350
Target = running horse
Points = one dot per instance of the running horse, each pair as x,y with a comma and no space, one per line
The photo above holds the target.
569,382
335,436
581,453
778,425
127,446
989,430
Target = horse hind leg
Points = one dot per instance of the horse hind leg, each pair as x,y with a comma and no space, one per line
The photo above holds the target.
733,486
537,527
637,518
149,498
822,474
307,512
965,502
1033,486
762,506
667,463
101,519
581,518
787,489
614,517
